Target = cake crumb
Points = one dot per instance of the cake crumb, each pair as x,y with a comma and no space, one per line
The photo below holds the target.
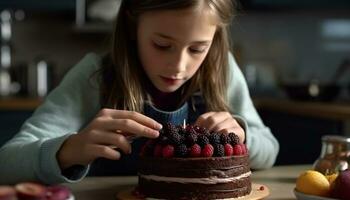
262,188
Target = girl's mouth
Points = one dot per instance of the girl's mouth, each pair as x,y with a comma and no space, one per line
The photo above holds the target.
170,81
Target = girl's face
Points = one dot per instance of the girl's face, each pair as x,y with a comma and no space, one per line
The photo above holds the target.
172,45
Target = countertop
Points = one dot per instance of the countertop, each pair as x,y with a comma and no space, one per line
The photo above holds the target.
18,103
280,180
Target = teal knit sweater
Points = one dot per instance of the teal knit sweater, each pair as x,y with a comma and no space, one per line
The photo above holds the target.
31,154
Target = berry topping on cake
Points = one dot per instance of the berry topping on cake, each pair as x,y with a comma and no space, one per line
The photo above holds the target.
234,139
208,150
238,150
195,151
181,150
203,140
228,150
192,141
168,151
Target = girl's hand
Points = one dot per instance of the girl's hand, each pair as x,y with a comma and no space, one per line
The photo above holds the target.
222,122
105,136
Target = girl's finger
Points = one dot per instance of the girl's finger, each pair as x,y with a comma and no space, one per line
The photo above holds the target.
138,117
130,126
105,152
226,124
202,119
213,119
113,140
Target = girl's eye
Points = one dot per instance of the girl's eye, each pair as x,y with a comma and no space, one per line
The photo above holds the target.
198,50
161,46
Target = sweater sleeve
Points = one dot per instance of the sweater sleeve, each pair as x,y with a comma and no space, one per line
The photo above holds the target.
263,146
31,154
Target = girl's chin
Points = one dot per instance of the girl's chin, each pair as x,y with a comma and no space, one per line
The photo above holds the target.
168,89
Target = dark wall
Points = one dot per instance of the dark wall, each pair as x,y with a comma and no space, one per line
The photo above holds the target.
10,123
299,136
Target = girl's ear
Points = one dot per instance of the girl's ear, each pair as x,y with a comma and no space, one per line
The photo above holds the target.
132,25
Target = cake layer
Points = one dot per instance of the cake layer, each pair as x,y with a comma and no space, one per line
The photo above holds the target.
173,190
194,167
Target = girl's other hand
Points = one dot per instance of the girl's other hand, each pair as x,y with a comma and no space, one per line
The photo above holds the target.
105,136
221,122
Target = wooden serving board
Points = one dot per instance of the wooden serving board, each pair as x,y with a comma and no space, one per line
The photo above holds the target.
256,194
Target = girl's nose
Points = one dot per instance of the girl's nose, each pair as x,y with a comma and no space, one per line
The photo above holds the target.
179,61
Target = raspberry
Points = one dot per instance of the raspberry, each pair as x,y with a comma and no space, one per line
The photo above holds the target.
208,150
244,149
234,139
214,138
168,151
195,150
147,148
224,139
228,150
181,150
157,151
219,150
237,150
202,140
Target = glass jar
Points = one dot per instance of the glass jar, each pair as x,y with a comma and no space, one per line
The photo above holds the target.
335,154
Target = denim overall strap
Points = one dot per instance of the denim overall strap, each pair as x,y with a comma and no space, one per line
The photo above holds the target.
175,117
197,107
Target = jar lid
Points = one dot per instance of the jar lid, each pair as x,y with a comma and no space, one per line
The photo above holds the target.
335,138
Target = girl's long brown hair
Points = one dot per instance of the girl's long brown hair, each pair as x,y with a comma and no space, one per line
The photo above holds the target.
123,79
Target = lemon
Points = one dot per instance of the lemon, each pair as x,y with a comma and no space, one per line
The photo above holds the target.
313,182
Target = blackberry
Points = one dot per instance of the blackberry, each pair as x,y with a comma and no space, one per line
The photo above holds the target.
224,139
175,138
163,140
148,148
234,138
214,138
197,129
219,150
191,132
202,140
190,129
181,130
191,138
170,129
181,150
202,130
161,132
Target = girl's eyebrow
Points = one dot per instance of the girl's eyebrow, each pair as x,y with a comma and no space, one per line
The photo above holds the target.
200,42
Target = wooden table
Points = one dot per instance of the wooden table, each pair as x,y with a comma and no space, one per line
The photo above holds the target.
280,180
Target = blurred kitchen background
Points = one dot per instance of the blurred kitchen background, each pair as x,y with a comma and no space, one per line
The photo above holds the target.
295,55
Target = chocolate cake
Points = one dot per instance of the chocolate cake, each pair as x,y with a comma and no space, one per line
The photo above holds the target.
191,163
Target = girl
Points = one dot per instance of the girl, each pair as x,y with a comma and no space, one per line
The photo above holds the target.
169,61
